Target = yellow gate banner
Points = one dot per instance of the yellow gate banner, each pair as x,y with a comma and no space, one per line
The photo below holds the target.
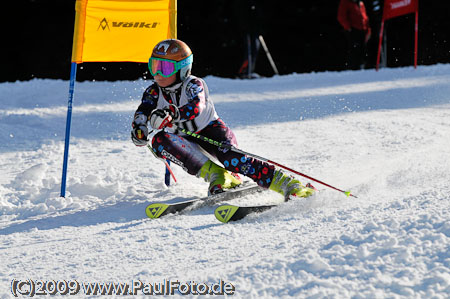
121,30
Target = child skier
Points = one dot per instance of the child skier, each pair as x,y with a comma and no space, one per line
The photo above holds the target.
178,99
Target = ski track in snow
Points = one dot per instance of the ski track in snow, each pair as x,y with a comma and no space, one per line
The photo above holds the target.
383,135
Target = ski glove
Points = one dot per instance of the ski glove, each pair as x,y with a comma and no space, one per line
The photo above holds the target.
139,133
161,118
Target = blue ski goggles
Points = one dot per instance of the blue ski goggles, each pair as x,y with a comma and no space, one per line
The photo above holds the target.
167,67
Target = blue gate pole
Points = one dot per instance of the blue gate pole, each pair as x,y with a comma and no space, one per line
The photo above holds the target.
73,75
167,176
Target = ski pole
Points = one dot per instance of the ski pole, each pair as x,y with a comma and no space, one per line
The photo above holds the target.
165,163
269,57
234,149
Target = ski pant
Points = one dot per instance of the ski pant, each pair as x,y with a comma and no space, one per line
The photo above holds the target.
186,151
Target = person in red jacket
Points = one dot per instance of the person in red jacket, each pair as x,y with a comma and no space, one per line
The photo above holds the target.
353,18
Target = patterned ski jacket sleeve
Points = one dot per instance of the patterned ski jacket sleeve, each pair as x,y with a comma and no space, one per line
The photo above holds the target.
195,108
196,100
149,101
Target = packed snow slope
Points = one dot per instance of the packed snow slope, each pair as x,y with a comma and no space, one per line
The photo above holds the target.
383,135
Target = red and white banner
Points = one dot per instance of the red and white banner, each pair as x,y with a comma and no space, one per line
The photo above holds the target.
396,8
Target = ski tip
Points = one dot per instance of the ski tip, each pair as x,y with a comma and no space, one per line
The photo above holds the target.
155,210
225,212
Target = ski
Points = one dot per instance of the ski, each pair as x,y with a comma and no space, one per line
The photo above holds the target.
159,209
227,213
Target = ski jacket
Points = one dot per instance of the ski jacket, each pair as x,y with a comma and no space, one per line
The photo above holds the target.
191,97
353,15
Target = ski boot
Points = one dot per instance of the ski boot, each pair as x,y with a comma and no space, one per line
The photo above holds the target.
219,178
290,186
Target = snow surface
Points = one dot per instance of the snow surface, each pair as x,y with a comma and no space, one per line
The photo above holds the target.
383,135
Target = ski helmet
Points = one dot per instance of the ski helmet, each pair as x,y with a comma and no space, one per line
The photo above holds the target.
171,56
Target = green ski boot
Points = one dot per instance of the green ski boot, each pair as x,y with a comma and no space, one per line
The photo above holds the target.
289,186
219,178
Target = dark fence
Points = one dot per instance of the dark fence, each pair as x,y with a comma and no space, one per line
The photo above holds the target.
302,36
